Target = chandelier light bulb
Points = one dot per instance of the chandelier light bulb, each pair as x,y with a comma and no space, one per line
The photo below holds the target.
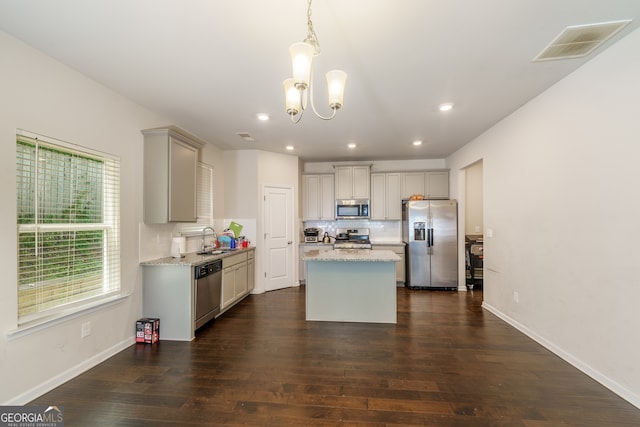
301,61
335,82
292,97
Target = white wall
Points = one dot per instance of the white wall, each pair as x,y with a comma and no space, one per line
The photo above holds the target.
561,180
248,171
42,96
473,214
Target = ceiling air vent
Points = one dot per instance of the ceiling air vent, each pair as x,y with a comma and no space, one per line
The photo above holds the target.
246,136
580,40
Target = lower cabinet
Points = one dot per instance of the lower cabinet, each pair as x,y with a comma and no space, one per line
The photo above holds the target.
168,293
237,276
398,250
251,271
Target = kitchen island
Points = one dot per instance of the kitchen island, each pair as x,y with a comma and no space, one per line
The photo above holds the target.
351,285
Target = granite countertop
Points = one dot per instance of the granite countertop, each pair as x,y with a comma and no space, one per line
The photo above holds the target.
388,242
373,242
192,259
351,255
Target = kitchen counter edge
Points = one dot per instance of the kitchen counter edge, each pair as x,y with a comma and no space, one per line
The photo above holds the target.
192,259
351,255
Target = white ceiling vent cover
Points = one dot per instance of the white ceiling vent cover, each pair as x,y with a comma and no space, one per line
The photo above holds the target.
580,40
246,136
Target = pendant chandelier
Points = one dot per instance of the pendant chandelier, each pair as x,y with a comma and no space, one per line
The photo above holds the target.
299,87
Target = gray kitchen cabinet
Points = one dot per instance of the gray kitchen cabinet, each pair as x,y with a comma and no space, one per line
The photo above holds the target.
386,203
170,176
412,183
234,279
437,185
352,182
318,197
398,249
168,293
430,184
251,271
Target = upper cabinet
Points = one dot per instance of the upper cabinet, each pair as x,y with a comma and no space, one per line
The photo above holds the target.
430,184
352,182
170,176
386,203
318,199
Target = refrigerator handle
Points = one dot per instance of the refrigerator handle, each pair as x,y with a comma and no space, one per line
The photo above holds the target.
431,237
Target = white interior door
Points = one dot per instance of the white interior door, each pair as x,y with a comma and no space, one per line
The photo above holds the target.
278,236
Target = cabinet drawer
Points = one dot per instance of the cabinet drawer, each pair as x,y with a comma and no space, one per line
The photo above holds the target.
233,260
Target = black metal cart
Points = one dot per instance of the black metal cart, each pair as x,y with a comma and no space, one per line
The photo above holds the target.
474,255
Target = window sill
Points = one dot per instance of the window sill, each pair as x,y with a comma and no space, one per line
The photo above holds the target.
40,324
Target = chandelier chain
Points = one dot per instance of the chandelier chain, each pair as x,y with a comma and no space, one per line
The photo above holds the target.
311,38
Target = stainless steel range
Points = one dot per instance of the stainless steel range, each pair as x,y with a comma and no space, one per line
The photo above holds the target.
352,238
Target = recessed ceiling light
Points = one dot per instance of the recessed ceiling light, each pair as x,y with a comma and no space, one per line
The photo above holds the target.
417,143
289,147
262,117
446,106
352,145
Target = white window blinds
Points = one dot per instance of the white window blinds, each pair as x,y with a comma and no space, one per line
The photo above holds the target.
204,193
68,202
204,202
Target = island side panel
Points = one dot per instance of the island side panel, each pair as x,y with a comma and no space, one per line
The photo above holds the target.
351,291
168,295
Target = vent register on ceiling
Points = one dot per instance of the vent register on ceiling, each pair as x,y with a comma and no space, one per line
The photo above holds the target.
580,40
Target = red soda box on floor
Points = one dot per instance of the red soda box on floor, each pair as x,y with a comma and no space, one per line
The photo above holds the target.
140,329
151,330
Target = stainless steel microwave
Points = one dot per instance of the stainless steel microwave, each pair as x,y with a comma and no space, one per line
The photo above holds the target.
352,208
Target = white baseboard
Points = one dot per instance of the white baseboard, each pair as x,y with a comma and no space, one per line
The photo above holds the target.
621,391
73,372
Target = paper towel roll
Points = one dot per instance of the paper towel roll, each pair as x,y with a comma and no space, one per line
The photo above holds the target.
178,246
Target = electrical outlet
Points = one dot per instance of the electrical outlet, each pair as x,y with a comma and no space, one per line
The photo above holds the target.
477,229
86,329
516,297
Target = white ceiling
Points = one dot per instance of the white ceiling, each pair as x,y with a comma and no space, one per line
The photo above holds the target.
210,66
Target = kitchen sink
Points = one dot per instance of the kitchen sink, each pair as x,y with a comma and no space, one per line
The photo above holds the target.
215,251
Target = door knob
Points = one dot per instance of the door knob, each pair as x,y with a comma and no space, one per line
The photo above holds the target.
289,242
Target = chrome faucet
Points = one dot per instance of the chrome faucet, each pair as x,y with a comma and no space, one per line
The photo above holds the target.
204,230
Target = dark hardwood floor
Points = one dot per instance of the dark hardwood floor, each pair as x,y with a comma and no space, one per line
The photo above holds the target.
447,362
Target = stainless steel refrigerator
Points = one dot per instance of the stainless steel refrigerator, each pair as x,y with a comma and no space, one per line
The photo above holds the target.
430,232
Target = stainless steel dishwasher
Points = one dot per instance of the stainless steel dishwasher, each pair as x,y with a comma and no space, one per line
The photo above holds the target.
208,291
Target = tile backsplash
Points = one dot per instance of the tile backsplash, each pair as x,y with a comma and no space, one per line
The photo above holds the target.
380,230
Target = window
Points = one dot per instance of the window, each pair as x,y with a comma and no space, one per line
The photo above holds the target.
204,202
204,193
68,202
